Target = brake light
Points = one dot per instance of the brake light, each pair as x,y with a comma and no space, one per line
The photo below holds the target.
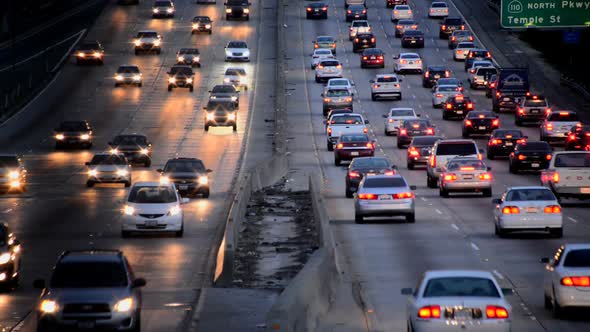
427,74
439,95
443,27
556,177
329,131
488,55
402,61
334,45
521,111
327,100
413,152
522,140
468,122
453,38
339,66
325,8
495,141
429,131
571,137
365,58
364,11
449,106
498,94
432,311
447,73
496,123
392,172
432,161
339,146
320,67
395,12
521,157
469,105
365,130
414,27
316,46
467,168
547,111
485,176
549,126
496,312
370,145
409,12
349,11
390,120
472,71
404,195
308,9
348,99
403,132
462,27
356,40
510,210
563,113
450,177
367,196
576,281
492,84
354,174
481,116
470,38
552,209
372,40
479,156
380,57
548,157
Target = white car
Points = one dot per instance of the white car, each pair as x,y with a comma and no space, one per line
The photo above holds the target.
438,9
327,69
479,76
463,174
567,278
528,208
394,118
407,62
481,63
340,83
163,8
401,12
557,124
442,92
153,207
460,52
358,26
319,55
237,77
458,300
108,168
237,50
386,86
147,41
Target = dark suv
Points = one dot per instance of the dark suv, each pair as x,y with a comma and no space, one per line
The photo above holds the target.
450,24
362,41
90,290
189,175
70,133
413,38
433,73
221,113
10,253
237,9
181,77
135,147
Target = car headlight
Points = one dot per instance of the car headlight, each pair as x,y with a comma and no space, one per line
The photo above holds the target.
48,307
119,77
210,116
144,151
171,80
137,42
59,137
114,151
247,52
175,210
207,26
228,10
246,10
85,136
189,80
213,97
243,80
170,10
180,58
136,77
203,180
195,26
196,59
129,210
122,172
97,54
164,180
92,172
234,98
157,42
80,54
228,53
226,80
14,175
124,305
156,10
231,117
4,258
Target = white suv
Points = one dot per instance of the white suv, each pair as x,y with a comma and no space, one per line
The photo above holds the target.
327,69
358,26
386,86
445,150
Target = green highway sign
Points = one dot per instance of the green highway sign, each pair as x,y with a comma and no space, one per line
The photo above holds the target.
545,13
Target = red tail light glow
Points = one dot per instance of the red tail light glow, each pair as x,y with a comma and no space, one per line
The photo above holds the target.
549,126
413,152
449,106
496,312
308,9
370,145
520,111
510,210
450,177
469,105
329,131
521,157
353,174
365,130
468,123
432,311
432,161
548,157
453,38
495,141
429,131
496,123
443,27
552,209
427,74
349,11
367,196
405,195
403,132
485,176
439,95
576,281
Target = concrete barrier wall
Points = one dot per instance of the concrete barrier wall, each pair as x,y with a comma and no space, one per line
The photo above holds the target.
309,295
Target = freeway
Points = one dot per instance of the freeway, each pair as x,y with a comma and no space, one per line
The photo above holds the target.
58,212
455,232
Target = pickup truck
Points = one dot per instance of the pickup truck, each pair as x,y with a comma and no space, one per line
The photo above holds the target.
358,26
339,124
568,174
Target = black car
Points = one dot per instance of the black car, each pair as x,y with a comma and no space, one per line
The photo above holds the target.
480,123
316,10
363,40
135,147
356,12
457,107
578,139
188,56
419,150
90,52
10,257
476,54
413,39
189,175
373,57
68,133
237,9
181,76
362,166
411,128
433,74
393,3
202,24
503,141
450,24
225,92
530,156
221,113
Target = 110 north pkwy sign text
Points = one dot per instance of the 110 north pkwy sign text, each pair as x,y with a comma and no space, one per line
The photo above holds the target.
545,13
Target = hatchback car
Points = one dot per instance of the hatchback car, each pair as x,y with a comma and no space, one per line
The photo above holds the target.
532,108
433,73
236,77
10,258
386,86
350,146
326,42
578,139
395,117
13,175
202,24
503,141
237,50
412,128
189,176
90,52
384,196
73,133
128,75
362,41
316,10
413,39
531,208
450,24
372,57
356,12
153,207
365,166
557,124
530,155
108,168
438,9
188,56
403,26
419,150
336,99
407,62
457,107
136,148
465,174
401,12
147,41
181,77
319,55
340,83
459,36
480,123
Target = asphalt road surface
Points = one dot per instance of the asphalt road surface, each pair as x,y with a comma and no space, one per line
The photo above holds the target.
58,212
455,232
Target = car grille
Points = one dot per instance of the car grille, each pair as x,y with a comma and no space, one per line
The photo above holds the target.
86,308
151,216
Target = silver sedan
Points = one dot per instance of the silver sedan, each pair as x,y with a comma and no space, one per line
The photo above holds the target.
442,93
384,196
466,174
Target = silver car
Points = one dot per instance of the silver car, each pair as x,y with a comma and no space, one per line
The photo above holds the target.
395,117
336,99
442,92
458,36
557,124
403,26
108,168
384,196
465,174
386,86
460,52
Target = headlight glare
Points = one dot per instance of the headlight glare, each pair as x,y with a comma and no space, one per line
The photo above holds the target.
169,10
124,305
48,306
4,258
164,180
137,77
210,116
144,151
81,54
231,117
203,180
92,172
129,210
157,42
85,136
180,58
234,98
137,42
175,210
171,80
207,26
122,172
119,77
114,151
189,80
59,137
156,10
13,175
97,54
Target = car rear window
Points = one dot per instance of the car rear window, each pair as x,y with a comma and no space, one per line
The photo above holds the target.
486,71
338,93
338,82
572,160
479,114
347,119
480,54
456,149
354,138
439,5
89,275
402,7
410,56
447,88
323,52
472,165
448,81
563,117
369,162
530,195
535,103
453,21
402,113
235,72
506,133
384,182
577,258
387,79
330,63
534,146
461,286
425,140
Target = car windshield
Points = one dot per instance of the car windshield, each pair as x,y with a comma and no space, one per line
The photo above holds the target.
507,134
181,71
384,182
534,146
73,126
338,93
8,162
461,286
402,112
347,119
372,51
529,195
325,40
461,33
449,81
456,149
535,103
235,72
425,141
219,105
128,70
439,5
163,4
89,275
370,163
466,165
323,52
237,44
204,19
184,166
188,51
572,160
147,34
130,140
223,89
152,195
577,258
108,159
563,117
354,138
386,79
416,124
402,7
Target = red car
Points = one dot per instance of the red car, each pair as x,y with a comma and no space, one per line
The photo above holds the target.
373,57
350,146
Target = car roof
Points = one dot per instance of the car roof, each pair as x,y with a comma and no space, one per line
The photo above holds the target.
526,187
456,140
477,49
347,114
151,184
408,53
386,176
401,109
94,255
574,246
458,273
324,36
144,31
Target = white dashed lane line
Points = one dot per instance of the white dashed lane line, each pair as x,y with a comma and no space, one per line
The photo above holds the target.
474,246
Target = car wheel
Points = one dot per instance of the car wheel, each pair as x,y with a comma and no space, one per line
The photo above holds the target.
330,146
487,192
443,192
348,193
317,79
556,232
557,310
191,88
411,218
430,181
445,116
179,233
547,302
127,184
89,184
139,85
116,85
137,326
358,218
373,97
136,52
500,232
169,88
58,145
337,161
206,127
125,234
210,32
235,127
400,97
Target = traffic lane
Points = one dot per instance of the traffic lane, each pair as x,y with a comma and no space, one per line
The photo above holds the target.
226,163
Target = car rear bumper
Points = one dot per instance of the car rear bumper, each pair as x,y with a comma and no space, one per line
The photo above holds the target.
531,221
454,326
393,208
371,63
349,154
466,185
572,297
387,93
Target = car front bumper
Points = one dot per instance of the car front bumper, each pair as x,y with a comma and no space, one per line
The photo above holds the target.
164,223
111,321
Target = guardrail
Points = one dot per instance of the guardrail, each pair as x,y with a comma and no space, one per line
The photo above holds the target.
583,90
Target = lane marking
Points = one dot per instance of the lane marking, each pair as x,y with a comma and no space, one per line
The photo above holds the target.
498,274
455,227
438,211
572,219
423,198
474,246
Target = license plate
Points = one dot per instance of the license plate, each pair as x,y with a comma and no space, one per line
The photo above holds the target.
86,324
357,16
531,210
371,173
482,128
412,41
183,187
364,41
317,10
468,177
459,112
373,58
436,76
151,223
462,314
416,131
535,165
354,153
411,62
180,83
585,190
535,111
506,99
508,143
384,197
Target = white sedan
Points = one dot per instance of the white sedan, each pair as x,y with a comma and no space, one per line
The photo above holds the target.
340,83
237,50
528,208
458,300
438,9
407,62
394,118
153,207
319,55
401,12
460,52
567,278
442,92
386,86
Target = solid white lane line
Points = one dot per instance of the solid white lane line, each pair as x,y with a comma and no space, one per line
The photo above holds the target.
474,246
572,219
498,274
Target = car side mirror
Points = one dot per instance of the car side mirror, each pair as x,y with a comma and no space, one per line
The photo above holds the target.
507,291
366,121
159,170
496,201
139,282
544,260
384,116
87,163
39,283
184,200
406,291
413,187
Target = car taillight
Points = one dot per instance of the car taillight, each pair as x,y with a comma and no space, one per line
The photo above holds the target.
556,177
380,57
366,58
439,95
403,195
462,27
324,8
320,67
576,281
364,11
443,27
353,174
339,66
510,210
403,132
547,111
427,74
308,9
390,120
449,106
447,73
453,38
480,156
495,142
469,105
356,40
339,146
571,137
488,55
468,122
370,145
450,177
348,99
548,157
365,130
552,209
521,111
496,312
522,140
549,126
431,311
395,12
372,40
429,131
402,61
327,100
472,71
470,38
496,123
485,176
492,84
367,196
349,11
521,157
329,131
